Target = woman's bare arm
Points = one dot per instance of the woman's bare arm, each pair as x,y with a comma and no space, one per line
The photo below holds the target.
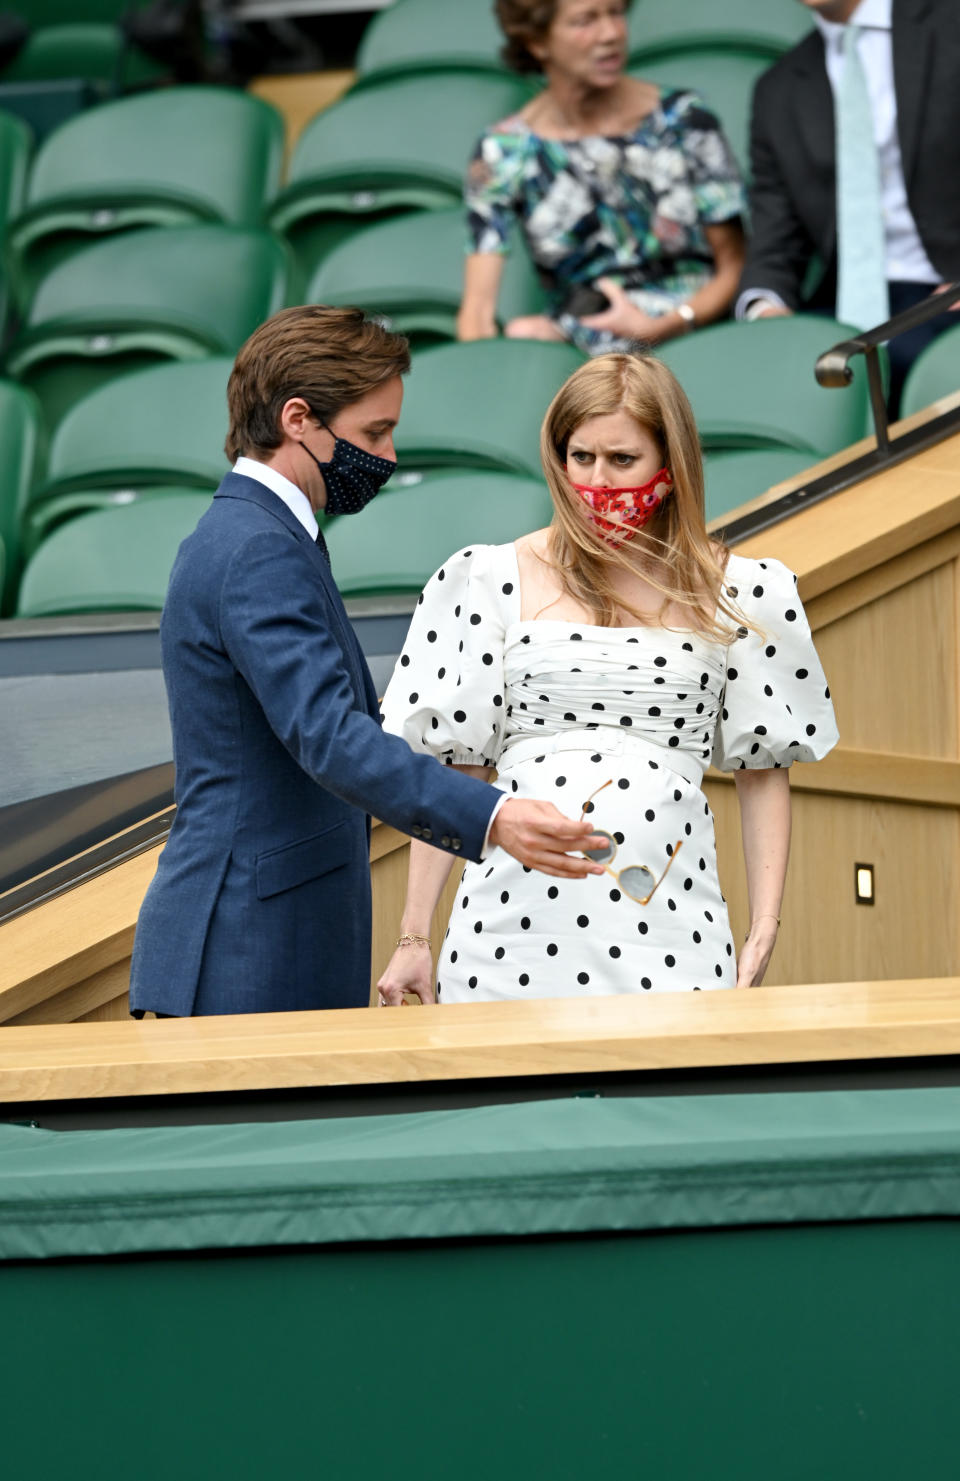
477,318
410,969
764,798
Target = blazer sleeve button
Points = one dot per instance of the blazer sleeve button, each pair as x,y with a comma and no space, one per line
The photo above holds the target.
445,841
427,835
417,831
456,843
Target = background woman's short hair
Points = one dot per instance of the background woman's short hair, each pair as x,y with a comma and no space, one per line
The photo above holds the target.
330,357
521,22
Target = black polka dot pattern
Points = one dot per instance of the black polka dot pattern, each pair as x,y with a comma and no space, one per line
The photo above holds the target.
478,679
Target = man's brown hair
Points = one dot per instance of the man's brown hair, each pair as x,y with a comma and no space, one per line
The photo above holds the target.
330,357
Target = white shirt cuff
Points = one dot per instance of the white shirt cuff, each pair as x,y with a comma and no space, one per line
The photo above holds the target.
750,296
486,837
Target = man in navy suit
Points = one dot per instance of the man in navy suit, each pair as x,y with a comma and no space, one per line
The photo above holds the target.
261,900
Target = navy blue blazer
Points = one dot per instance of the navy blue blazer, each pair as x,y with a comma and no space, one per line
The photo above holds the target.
261,900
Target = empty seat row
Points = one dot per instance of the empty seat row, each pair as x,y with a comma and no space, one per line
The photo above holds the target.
157,434
411,35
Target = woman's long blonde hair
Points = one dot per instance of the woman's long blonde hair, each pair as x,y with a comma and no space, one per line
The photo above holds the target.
687,566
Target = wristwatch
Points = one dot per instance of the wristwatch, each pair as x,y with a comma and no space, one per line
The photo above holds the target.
687,314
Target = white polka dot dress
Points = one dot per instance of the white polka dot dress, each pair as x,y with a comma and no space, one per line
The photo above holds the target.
560,708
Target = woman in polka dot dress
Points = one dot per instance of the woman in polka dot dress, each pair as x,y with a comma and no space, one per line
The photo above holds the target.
610,657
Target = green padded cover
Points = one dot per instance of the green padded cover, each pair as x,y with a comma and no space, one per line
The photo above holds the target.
416,34
753,385
773,25
163,425
547,1167
116,559
934,373
412,265
481,405
734,478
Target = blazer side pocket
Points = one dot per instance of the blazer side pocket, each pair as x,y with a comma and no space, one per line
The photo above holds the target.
284,868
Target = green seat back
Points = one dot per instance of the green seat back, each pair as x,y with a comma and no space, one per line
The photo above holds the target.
935,373
770,25
723,79
62,12
21,450
753,385
410,269
165,425
170,157
161,293
733,479
41,519
95,52
115,560
15,148
400,145
412,35
414,528
480,405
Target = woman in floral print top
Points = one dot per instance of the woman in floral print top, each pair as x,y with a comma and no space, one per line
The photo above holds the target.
615,186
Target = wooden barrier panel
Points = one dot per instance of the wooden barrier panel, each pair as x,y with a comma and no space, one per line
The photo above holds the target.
363,1046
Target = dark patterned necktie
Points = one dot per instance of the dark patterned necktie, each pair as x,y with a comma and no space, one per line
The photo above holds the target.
323,547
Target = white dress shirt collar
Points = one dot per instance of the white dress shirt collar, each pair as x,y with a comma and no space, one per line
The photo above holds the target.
294,498
873,15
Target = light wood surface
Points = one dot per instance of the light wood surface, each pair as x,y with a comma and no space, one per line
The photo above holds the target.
301,95
788,1025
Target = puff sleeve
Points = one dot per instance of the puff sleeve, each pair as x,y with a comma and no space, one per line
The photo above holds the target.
776,706
446,696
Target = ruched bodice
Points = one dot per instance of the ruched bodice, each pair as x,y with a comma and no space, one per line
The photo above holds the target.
665,687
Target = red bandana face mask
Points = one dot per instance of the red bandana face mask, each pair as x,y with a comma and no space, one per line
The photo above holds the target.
619,513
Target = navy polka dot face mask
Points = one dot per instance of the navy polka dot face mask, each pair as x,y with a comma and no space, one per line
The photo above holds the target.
352,477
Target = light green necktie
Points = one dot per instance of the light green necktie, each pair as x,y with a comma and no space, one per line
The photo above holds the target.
862,296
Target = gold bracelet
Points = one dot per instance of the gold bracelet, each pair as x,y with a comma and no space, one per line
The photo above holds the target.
765,916
409,938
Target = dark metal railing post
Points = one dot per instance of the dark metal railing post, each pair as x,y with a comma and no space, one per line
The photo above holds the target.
878,400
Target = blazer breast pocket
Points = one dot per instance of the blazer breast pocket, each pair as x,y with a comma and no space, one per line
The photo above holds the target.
294,864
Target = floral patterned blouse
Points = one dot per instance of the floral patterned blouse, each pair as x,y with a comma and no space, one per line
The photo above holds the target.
631,207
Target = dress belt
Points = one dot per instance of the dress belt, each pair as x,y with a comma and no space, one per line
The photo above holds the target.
608,741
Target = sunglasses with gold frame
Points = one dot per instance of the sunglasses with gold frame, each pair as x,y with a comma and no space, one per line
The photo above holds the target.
637,880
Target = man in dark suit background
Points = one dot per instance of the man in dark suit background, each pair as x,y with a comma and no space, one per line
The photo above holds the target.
261,901
883,243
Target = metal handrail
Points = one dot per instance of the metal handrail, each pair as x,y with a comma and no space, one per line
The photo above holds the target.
833,367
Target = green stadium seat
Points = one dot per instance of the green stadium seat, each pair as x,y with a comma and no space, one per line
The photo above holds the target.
172,157
95,52
416,526
399,146
21,453
416,35
15,148
115,560
934,373
753,385
724,80
480,405
63,12
410,270
733,479
772,26
163,293
159,427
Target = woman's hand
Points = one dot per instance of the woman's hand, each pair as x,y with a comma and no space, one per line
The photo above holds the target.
623,319
410,969
756,951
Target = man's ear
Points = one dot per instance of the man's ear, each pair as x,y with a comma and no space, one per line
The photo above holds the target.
294,417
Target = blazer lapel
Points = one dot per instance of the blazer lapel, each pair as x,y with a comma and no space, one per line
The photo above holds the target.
811,105
913,42
237,486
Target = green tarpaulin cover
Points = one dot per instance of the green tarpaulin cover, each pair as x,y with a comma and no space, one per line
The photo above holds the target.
549,1167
